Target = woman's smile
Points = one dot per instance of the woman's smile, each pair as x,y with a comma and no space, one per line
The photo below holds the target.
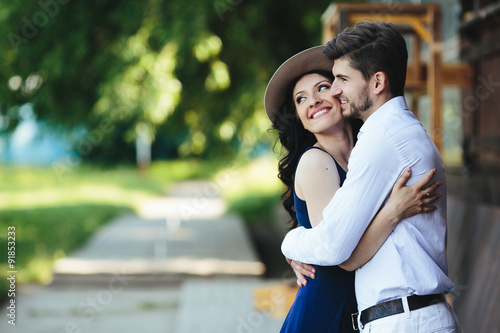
320,112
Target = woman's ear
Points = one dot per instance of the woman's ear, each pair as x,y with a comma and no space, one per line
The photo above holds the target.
380,83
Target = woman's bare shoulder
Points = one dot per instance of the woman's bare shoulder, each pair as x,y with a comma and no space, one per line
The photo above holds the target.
316,181
314,166
315,159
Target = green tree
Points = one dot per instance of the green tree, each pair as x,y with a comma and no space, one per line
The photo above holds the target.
193,73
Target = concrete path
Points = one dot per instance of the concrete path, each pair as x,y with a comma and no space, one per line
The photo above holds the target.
181,265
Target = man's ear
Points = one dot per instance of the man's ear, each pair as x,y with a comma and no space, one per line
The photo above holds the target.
380,83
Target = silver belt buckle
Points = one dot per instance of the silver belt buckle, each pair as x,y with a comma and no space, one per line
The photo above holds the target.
354,319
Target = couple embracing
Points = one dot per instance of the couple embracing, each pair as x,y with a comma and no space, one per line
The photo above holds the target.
369,247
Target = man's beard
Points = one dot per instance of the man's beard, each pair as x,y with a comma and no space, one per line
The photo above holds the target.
356,110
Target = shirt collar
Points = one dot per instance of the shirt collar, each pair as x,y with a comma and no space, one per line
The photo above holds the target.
394,104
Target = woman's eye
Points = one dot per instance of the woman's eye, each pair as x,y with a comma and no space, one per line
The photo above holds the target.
300,99
323,87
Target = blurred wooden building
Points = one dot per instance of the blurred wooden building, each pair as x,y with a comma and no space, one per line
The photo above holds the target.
461,104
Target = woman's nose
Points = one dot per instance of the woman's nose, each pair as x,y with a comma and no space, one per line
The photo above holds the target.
315,100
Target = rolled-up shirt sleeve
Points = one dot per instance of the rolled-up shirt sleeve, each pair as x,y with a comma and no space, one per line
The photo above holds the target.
374,166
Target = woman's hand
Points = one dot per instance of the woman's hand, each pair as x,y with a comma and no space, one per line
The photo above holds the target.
407,201
302,270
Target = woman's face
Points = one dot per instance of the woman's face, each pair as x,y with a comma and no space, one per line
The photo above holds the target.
317,109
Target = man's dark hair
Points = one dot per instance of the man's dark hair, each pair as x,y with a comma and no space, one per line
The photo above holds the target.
371,47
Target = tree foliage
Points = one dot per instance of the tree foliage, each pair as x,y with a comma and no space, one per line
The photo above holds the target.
192,73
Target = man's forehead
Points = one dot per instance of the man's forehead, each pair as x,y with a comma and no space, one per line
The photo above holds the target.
341,64
343,67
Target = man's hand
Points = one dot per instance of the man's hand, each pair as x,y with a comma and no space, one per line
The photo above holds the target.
302,270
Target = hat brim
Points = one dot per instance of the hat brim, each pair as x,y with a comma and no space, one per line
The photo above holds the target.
301,63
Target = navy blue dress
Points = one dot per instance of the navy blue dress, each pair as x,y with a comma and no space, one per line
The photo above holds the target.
325,304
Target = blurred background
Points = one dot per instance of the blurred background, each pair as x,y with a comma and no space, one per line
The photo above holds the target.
149,114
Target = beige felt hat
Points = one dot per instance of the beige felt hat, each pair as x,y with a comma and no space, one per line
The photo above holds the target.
301,63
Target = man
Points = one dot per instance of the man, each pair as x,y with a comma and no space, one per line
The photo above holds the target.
401,288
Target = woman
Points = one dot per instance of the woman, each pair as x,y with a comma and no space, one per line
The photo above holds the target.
319,141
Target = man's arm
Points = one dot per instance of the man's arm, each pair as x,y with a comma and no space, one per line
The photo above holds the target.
374,166
404,201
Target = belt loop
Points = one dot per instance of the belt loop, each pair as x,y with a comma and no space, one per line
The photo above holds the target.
406,307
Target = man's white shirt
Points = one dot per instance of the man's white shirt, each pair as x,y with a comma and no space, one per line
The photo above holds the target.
413,259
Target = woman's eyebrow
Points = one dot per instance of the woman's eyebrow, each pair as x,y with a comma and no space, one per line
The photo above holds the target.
325,80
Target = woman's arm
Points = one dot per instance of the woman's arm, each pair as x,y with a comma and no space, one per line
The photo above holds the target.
316,181
404,202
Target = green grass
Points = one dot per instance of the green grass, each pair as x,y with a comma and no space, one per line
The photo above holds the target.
22,187
48,233
253,190
255,208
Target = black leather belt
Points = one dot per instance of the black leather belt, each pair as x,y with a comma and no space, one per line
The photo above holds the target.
395,306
